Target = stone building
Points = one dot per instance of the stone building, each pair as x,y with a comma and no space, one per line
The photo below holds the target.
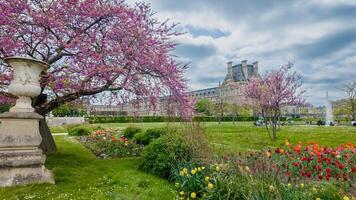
229,91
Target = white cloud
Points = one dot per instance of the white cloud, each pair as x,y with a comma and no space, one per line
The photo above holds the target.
273,32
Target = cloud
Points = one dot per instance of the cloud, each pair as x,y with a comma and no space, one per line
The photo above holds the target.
195,51
317,35
327,45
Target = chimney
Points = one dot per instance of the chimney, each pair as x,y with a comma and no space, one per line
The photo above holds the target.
228,77
229,68
255,68
244,68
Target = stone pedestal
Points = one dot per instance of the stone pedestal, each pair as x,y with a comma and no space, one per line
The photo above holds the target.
21,161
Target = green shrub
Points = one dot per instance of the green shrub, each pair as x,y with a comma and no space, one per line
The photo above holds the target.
130,131
4,108
160,156
144,138
128,119
79,131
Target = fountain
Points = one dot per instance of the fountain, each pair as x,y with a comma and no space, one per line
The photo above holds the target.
329,119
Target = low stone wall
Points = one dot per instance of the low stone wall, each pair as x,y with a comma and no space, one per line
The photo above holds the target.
59,121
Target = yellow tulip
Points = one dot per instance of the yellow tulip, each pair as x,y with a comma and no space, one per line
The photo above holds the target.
181,193
314,189
346,198
210,186
193,195
271,188
207,178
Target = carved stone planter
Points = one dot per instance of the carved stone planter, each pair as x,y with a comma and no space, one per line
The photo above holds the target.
21,161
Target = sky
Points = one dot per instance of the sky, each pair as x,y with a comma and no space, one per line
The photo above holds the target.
318,36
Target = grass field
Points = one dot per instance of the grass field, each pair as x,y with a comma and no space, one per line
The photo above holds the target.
81,175
243,136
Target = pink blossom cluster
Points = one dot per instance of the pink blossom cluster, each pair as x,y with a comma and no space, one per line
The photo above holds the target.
93,47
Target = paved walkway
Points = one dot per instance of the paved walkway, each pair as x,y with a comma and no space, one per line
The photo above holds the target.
54,134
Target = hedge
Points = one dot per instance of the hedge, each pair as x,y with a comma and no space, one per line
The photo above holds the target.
129,119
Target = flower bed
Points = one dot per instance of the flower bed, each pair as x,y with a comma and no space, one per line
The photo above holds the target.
294,172
110,143
316,162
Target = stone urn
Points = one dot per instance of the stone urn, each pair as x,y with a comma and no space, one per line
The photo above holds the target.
21,160
25,83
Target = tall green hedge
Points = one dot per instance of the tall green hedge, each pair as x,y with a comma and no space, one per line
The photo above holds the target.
129,119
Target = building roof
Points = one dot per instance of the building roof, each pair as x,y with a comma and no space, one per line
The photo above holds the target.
239,75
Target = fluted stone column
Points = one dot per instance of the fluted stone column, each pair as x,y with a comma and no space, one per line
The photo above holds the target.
21,161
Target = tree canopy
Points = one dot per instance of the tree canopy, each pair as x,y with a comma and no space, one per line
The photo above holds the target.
274,90
92,46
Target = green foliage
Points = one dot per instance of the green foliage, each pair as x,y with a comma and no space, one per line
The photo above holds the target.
79,130
163,154
68,110
130,119
110,143
144,138
130,131
204,106
229,181
4,108
62,111
81,175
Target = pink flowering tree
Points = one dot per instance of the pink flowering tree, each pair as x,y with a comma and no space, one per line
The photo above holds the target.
270,93
93,47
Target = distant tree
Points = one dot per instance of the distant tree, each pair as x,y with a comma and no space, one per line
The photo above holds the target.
92,47
350,90
204,106
273,91
341,109
68,110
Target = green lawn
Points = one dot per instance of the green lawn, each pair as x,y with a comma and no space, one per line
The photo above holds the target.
81,175
243,136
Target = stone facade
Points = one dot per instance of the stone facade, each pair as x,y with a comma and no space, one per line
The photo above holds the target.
230,91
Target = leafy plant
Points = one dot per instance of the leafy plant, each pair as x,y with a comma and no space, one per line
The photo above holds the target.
144,138
160,156
130,132
79,131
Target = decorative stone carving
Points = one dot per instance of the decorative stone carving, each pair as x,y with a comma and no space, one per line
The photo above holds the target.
21,161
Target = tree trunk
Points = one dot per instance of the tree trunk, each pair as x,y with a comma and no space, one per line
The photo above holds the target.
47,145
353,109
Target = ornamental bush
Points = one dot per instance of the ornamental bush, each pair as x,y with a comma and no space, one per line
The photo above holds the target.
130,131
79,130
162,154
144,138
